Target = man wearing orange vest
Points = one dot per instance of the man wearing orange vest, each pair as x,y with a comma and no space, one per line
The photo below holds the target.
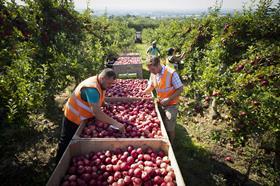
168,87
85,103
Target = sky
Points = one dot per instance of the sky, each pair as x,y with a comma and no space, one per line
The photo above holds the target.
158,4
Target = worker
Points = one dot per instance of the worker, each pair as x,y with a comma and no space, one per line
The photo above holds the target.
173,60
153,50
85,103
168,87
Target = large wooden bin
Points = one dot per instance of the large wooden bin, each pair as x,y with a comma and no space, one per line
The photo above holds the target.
128,69
122,99
83,147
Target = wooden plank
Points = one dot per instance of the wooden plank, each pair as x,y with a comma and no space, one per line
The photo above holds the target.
83,147
129,55
162,126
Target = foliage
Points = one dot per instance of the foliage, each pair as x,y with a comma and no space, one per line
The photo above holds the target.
45,46
234,58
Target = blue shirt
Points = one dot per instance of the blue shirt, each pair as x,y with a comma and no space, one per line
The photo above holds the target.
153,51
90,95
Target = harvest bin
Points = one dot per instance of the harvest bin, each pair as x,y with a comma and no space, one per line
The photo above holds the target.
77,147
122,99
128,68
130,55
128,88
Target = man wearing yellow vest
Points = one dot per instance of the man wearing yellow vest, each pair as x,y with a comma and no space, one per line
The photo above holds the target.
173,60
85,103
168,87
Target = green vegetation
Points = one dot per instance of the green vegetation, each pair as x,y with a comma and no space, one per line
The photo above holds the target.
233,59
231,74
45,46
228,130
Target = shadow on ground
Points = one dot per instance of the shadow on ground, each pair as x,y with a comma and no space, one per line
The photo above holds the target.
27,153
197,166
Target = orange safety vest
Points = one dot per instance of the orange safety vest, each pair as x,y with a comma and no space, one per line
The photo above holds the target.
76,109
164,87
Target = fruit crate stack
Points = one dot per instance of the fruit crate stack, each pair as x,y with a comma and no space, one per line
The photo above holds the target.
128,65
99,155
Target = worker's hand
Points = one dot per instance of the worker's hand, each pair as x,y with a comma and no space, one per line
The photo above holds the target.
106,104
183,54
120,126
157,100
146,91
164,102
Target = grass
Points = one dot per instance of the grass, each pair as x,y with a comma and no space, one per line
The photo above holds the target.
28,152
141,49
201,156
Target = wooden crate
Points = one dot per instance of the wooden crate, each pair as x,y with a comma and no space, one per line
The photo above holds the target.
128,68
130,55
128,76
123,86
83,147
121,99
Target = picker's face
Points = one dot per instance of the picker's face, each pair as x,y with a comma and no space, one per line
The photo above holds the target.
153,69
106,82
154,45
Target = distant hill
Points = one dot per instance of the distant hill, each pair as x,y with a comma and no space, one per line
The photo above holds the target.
155,13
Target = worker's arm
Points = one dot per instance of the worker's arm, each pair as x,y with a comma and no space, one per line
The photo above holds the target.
176,94
159,51
148,51
179,58
91,95
183,55
148,90
101,116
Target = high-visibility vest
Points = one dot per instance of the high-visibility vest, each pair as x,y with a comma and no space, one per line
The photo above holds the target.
171,65
168,64
76,109
164,87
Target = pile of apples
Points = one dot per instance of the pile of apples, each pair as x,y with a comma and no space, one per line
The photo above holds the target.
139,117
124,60
128,88
131,166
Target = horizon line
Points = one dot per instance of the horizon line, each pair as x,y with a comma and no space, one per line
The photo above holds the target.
135,9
